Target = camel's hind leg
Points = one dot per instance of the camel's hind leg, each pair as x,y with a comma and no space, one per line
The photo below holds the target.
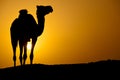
32,50
21,50
14,55
25,53
14,45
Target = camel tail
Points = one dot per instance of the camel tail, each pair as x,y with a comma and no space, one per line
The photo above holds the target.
14,30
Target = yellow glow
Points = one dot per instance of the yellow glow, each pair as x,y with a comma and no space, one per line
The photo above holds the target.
29,45
77,31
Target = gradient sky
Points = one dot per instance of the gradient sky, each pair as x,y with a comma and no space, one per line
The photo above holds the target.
78,31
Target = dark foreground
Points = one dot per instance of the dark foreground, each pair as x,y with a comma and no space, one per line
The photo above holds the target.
102,70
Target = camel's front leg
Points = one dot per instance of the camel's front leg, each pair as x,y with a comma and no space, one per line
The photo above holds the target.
32,49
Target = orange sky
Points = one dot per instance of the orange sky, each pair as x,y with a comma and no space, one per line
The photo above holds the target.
77,31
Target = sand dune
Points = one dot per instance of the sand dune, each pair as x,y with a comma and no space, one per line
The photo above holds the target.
95,70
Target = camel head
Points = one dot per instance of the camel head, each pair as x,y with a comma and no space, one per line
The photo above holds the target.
44,10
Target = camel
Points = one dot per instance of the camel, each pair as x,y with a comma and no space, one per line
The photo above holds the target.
25,28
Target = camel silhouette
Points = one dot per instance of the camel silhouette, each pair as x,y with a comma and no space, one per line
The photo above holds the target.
25,28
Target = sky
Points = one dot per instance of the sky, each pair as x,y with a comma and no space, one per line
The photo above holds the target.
78,31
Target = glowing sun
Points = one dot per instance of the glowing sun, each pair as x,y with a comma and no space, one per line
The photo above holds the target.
29,45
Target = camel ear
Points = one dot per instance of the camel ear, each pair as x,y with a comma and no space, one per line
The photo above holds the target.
37,6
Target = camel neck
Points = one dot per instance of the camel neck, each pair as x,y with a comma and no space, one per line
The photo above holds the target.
41,21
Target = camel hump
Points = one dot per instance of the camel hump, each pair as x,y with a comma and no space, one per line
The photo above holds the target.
24,26
32,26
31,20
